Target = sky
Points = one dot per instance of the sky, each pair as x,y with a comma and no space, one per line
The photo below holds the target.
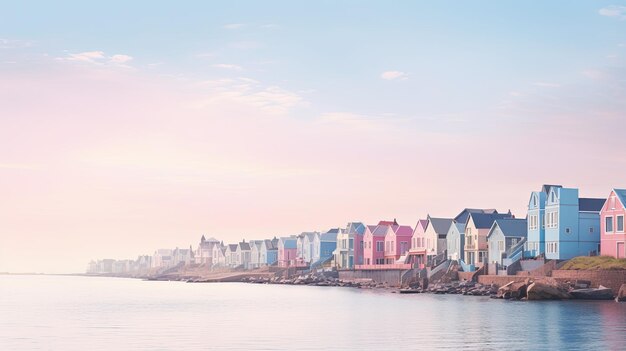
131,126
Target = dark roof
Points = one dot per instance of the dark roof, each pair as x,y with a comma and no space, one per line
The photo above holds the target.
244,245
232,247
440,225
513,227
463,215
590,205
485,220
334,230
546,187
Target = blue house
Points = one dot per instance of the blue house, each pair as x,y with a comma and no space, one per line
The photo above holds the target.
271,249
327,245
572,224
536,241
506,240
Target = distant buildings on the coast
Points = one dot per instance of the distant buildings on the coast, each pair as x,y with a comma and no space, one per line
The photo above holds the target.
558,225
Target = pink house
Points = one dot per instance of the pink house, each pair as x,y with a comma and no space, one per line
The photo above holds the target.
397,242
287,251
612,237
374,243
417,252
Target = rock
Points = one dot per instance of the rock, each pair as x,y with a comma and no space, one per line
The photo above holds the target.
543,291
621,295
601,293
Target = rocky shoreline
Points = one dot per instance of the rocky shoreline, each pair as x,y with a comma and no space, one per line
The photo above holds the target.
544,288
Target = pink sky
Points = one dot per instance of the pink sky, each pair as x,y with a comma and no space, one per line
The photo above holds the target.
100,161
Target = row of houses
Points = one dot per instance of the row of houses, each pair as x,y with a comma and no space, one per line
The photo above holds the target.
111,266
558,225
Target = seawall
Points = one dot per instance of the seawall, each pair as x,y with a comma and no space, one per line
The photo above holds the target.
390,277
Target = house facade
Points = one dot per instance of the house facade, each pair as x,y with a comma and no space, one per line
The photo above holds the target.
536,240
323,252
374,243
435,237
243,254
476,231
397,243
417,252
287,249
506,234
204,252
572,224
230,255
255,253
349,250
219,257
612,237
269,252
455,241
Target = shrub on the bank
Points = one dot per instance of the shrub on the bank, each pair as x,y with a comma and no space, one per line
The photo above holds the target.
595,262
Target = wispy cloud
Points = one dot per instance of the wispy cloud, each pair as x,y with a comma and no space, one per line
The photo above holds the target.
234,26
393,75
98,58
228,66
614,11
120,59
244,92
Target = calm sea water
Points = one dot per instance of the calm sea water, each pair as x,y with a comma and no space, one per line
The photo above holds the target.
85,313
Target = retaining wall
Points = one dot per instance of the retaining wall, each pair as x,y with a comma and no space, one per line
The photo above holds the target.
391,277
610,278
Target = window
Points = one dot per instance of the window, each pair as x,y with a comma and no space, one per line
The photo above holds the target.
620,223
568,231
379,246
501,245
608,224
590,229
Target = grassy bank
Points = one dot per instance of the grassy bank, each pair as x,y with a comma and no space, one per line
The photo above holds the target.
595,263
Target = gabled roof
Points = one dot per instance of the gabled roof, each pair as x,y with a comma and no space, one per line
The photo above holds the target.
232,247
463,215
388,222
244,245
590,205
372,228
289,243
485,221
459,226
513,227
270,244
334,230
440,225
403,230
380,230
310,235
422,222
621,196
329,236
355,227
546,187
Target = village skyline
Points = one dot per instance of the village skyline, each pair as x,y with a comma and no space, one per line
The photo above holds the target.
126,131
